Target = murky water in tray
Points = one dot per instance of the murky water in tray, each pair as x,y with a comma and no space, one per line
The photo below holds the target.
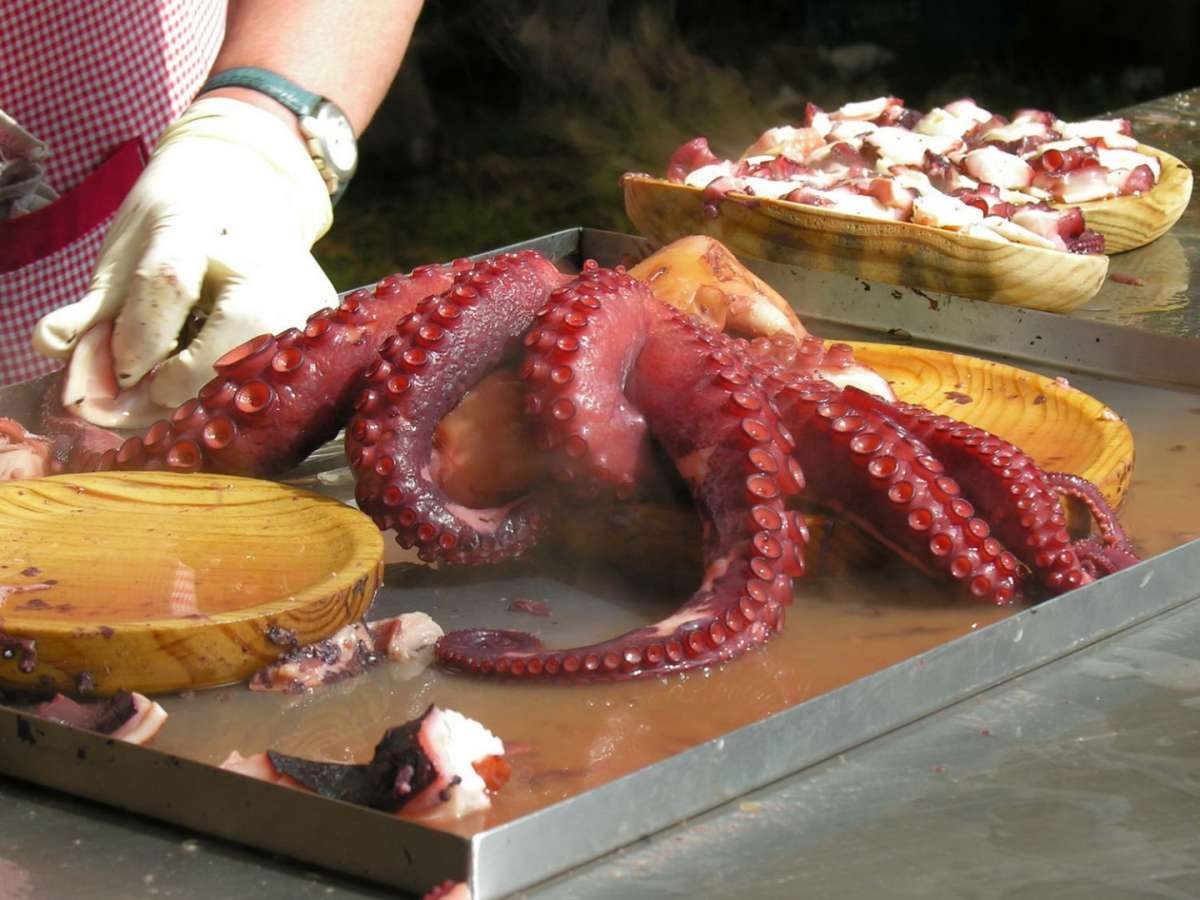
566,739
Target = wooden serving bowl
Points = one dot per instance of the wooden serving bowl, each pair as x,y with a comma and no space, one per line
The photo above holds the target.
155,581
893,252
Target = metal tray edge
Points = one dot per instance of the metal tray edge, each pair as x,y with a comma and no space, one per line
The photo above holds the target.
780,745
213,801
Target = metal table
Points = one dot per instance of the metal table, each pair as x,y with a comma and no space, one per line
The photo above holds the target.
1079,778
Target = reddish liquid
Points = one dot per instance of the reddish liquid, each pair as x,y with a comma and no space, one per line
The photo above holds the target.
563,740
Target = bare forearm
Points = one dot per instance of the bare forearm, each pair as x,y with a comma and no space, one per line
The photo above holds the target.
347,50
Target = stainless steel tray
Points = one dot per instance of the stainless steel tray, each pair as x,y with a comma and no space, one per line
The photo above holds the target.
805,724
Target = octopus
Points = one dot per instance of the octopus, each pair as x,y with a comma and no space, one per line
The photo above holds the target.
618,377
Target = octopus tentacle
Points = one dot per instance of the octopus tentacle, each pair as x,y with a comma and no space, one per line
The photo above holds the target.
1080,488
1022,500
866,468
577,361
439,351
276,397
724,437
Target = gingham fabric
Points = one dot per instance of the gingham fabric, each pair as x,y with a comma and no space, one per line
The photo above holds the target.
85,76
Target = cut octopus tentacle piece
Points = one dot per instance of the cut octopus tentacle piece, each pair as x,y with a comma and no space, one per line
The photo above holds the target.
697,400
441,765
126,716
347,653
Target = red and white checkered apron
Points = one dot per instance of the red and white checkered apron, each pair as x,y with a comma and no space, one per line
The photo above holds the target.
98,82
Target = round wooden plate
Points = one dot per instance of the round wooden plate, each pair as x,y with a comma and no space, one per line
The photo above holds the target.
1131,222
893,252
1062,428
156,581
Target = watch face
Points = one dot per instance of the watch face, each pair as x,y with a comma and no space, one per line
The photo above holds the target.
334,131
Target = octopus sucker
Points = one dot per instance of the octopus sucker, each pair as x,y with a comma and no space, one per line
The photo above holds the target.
274,398
872,472
447,375
1022,500
437,353
700,404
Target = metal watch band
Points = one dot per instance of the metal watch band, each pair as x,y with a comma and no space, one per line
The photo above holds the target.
288,93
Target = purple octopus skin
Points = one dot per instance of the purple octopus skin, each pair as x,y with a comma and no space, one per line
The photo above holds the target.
693,396
441,350
747,425
609,371
274,398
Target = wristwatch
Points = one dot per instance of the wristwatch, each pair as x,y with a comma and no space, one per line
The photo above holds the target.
326,129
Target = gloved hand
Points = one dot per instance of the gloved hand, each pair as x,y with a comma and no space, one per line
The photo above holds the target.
221,222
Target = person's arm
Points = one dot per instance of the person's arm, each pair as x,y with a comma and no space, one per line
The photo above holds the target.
223,219
348,51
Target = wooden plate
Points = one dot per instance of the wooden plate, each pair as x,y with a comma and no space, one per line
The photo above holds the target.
1062,428
893,252
1131,222
157,581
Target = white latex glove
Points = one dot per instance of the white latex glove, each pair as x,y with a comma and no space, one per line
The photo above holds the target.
222,220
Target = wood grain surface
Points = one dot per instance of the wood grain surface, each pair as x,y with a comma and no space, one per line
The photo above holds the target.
893,252
159,581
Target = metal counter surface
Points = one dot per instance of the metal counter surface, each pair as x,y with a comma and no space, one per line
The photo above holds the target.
1078,779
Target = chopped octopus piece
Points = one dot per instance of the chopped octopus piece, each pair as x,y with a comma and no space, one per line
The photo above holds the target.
901,147
942,211
90,388
849,129
1137,181
966,108
943,123
707,174
1035,115
1015,132
1077,185
786,140
1115,134
349,652
691,156
22,453
993,166
126,716
441,765
866,109
1128,159
817,119
406,637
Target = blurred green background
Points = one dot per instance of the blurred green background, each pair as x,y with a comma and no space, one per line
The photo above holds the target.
516,118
